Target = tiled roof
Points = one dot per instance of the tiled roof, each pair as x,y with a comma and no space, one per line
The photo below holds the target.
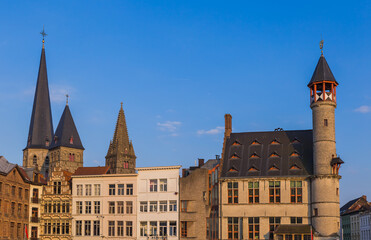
5,166
91,171
276,153
355,205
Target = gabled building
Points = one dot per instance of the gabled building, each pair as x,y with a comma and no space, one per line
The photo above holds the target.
284,184
121,156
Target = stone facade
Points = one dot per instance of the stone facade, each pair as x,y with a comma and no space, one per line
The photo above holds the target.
158,201
36,191
56,203
66,158
36,157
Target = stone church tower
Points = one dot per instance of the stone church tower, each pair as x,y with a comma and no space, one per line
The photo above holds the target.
66,150
120,156
325,181
41,126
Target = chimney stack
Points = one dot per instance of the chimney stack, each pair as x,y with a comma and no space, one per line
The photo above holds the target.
228,125
201,162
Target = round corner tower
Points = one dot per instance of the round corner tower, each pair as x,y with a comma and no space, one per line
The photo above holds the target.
325,202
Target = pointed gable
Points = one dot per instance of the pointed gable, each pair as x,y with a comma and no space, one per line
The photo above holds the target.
322,72
66,134
41,125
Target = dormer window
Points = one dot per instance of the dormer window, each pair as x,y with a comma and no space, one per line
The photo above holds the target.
275,142
255,142
294,154
253,169
274,168
295,141
47,142
235,156
71,140
254,155
236,143
295,167
232,169
274,154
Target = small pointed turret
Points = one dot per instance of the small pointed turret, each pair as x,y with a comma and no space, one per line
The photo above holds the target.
120,155
322,72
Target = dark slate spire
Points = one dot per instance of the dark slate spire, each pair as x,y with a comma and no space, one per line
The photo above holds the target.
322,72
41,125
66,134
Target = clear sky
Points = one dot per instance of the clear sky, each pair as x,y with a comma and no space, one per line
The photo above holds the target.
179,66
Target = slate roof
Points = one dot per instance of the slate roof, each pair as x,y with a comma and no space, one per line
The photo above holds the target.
91,171
322,72
41,125
293,228
5,166
355,205
264,154
65,130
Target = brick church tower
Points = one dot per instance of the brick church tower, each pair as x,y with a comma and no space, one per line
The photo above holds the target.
326,164
120,156
40,132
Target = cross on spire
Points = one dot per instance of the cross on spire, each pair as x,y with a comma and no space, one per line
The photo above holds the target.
67,96
43,34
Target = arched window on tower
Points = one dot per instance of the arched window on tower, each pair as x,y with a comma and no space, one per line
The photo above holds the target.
72,157
34,160
126,164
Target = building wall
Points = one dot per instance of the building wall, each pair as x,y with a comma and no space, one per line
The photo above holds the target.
41,155
14,205
365,226
60,158
354,227
148,194
34,228
104,217
194,193
346,229
243,210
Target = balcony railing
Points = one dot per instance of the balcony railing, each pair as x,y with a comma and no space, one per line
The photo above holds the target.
35,219
35,200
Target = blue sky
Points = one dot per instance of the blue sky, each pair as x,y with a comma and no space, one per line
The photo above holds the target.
179,66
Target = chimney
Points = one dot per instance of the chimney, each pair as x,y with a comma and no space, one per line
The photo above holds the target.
228,124
184,170
364,197
201,162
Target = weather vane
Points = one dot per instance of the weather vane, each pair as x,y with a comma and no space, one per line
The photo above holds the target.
67,96
321,46
43,34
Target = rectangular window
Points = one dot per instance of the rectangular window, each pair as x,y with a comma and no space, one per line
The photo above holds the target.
79,189
296,191
163,185
143,206
129,207
233,228
184,229
87,207
296,220
325,122
172,229
111,207
78,228
97,207
120,228
20,193
87,228
153,185
97,189
57,187
163,228
120,189
274,191
253,192
129,228
120,207
87,189
112,189
96,228
315,212
172,206
78,207
232,192
153,228
129,189
253,228
153,206
143,229
184,205
273,224
111,228
13,190
163,206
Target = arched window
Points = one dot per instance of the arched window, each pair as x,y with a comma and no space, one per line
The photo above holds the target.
47,161
34,160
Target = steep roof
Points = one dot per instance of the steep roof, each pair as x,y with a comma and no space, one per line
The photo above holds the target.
41,125
66,134
91,171
265,154
355,205
322,72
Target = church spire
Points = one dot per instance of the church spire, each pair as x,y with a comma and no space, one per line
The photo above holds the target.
41,125
120,156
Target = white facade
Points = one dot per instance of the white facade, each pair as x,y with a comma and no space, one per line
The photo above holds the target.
365,226
354,227
104,206
158,203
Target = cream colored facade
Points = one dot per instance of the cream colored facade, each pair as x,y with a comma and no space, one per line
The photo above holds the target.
158,201
104,206
264,210
34,227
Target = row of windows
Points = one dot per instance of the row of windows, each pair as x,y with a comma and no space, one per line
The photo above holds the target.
120,189
161,206
88,189
12,208
235,227
153,185
88,230
161,228
12,229
12,191
57,227
57,207
117,228
296,192
114,189
117,207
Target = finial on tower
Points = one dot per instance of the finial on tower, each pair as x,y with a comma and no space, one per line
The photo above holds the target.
43,34
321,46
121,104
67,96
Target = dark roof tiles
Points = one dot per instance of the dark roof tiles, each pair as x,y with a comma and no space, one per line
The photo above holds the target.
322,72
91,171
